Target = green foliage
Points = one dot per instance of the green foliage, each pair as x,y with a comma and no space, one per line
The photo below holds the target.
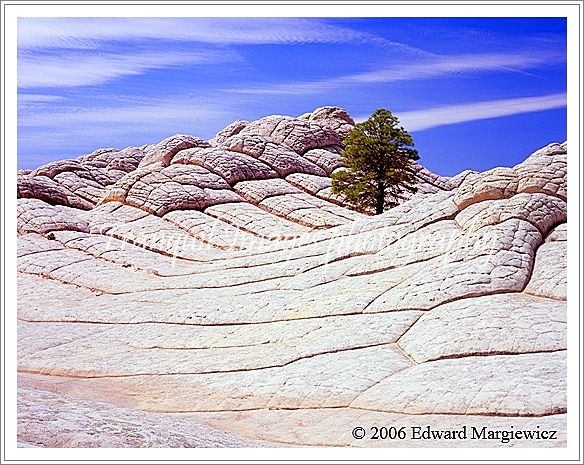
379,164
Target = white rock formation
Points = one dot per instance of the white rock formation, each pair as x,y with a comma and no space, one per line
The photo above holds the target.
215,293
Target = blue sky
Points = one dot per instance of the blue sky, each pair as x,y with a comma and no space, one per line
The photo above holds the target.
474,92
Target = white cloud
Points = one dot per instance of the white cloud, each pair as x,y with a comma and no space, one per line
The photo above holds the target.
90,32
65,52
29,99
66,132
453,65
419,120
154,114
460,65
79,69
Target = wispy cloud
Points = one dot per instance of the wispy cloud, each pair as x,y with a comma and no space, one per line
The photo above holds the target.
77,69
65,52
458,65
155,114
427,118
90,32
67,132
31,99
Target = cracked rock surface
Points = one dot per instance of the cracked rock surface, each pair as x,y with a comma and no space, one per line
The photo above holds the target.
195,293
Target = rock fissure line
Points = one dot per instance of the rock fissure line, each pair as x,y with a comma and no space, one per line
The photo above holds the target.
242,370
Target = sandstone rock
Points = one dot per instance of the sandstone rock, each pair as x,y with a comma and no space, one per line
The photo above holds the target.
168,148
426,177
215,349
98,154
309,182
123,253
305,209
300,135
158,189
163,237
330,113
44,188
325,159
125,160
211,230
550,274
105,216
256,221
234,128
36,216
232,166
559,233
543,173
257,190
425,244
327,194
457,180
495,184
513,385
327,380
76,423
333,118
278,156
228,269
493,324
542,211
70,266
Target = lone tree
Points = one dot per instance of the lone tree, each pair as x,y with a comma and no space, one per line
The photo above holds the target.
378,161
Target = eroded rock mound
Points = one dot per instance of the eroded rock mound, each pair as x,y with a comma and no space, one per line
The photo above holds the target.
222,279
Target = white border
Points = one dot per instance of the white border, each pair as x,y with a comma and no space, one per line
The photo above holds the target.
301,9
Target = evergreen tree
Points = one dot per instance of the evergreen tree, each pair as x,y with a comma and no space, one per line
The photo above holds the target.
378,158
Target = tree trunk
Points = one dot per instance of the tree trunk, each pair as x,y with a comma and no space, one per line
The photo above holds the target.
380,201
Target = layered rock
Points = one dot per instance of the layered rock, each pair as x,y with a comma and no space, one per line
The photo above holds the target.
223,282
